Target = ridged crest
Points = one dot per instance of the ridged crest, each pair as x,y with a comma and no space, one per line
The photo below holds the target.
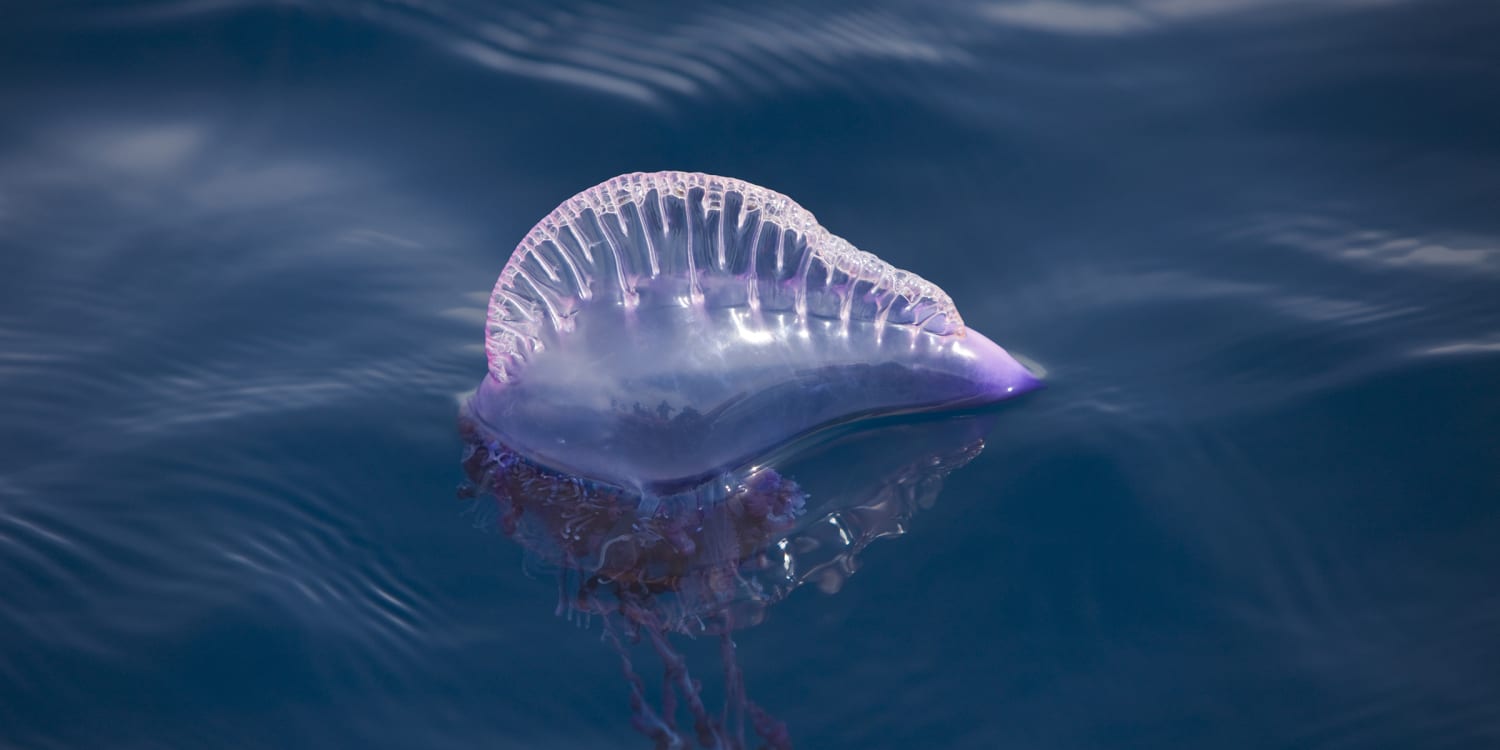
677,238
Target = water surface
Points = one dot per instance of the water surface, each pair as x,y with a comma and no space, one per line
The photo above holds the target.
245,249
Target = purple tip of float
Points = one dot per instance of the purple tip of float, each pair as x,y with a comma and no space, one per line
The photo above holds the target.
1001,376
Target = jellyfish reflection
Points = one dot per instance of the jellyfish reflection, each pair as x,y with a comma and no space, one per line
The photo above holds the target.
714,558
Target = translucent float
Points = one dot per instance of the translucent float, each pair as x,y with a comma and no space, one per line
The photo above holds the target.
659,329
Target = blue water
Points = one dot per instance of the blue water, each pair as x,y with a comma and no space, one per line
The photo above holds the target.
245,249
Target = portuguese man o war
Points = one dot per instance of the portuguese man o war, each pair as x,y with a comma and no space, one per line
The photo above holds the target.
698,400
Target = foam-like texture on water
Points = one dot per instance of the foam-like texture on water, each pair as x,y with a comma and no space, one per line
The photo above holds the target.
661,328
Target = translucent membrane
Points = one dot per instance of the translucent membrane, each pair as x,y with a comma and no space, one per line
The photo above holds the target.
659,329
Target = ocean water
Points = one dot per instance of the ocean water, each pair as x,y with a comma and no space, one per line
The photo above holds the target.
246,247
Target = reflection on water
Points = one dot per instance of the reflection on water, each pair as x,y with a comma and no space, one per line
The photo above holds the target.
244,255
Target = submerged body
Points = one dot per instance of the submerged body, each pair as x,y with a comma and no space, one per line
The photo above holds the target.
650,569
660,329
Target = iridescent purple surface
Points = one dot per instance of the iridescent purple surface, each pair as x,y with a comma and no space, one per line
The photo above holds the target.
661,328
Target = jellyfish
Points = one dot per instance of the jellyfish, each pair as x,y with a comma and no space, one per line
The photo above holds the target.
676,362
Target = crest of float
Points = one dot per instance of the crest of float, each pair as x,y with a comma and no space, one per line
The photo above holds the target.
659,329
681,367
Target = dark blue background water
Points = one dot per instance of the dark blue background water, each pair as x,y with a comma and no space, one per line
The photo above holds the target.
245,249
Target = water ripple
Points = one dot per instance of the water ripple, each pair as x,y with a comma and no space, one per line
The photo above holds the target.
169,478
245,251
652,58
